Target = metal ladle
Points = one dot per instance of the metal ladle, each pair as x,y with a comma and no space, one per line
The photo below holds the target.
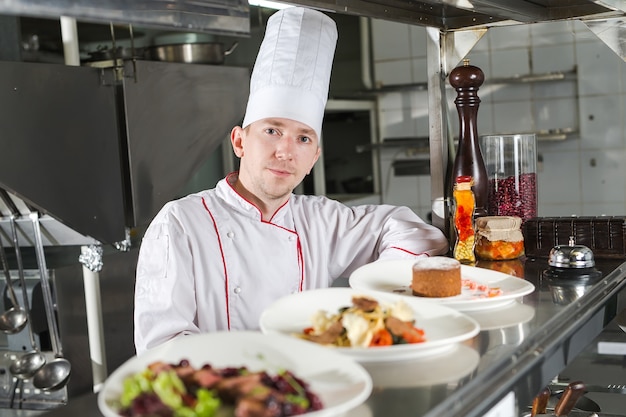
14,319
54,374
29,363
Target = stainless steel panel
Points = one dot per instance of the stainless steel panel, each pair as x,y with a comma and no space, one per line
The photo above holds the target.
176,116
60,146
455,14
232,16
117,290
217,16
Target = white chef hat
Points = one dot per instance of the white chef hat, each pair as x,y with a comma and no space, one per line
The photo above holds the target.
291,74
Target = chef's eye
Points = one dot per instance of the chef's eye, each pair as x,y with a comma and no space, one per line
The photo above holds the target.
305,139
271,131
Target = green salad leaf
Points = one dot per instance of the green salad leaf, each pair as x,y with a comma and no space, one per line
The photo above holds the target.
170,390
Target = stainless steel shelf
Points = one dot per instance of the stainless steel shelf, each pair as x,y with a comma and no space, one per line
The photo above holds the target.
452,14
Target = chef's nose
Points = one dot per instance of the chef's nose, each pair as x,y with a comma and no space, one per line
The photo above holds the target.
284,148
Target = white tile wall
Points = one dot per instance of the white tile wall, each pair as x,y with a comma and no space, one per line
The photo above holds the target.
581,175
601,126
598,68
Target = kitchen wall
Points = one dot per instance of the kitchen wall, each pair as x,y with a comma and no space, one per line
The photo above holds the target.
581,175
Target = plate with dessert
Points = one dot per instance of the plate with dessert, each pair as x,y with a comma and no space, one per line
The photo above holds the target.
235,373
442,280
369,326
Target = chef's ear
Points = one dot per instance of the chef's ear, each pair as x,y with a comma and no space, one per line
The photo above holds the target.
236,140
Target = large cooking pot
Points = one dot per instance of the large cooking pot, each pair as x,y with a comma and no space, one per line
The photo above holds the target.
191,53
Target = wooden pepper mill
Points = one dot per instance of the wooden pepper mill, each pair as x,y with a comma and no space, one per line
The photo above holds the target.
466,80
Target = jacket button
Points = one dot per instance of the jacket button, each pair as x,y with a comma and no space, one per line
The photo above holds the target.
292,238
237,290
230,234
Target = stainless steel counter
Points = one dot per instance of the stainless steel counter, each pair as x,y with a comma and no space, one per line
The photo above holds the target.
520,349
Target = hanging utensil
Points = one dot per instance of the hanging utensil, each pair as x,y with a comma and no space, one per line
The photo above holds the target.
540,403
572,393
14,319
191,53
26,365
54,374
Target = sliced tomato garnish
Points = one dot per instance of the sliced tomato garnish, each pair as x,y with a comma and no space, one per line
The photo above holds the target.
494,292
382,338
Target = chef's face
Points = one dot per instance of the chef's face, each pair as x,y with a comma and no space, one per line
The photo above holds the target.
275,155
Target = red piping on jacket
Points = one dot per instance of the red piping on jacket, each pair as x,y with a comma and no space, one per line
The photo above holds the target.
408,251
219,241
298,244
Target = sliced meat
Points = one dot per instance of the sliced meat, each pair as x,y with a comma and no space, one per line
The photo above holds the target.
253,407
405,329
229,389
206,377
329,336
185,372
364,303
398,327
158,367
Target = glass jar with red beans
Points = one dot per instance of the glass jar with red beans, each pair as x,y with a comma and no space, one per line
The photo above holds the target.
511,163
499,238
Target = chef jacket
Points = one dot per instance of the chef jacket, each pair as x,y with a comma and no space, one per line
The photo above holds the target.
209,262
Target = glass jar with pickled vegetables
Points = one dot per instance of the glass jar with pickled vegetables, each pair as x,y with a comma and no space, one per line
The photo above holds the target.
499,238
464,206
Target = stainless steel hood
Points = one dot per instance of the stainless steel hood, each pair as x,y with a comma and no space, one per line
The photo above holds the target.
102,152
461,14
605,18
232,15
215,16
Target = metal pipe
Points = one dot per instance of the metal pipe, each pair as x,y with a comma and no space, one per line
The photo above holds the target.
69,35
366,71
95,328
45,287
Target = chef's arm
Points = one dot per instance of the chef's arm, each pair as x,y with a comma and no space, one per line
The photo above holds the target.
358,235
405,235
165,301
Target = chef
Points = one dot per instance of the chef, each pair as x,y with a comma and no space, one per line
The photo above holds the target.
216,259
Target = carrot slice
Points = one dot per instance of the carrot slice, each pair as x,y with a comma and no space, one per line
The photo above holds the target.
382,338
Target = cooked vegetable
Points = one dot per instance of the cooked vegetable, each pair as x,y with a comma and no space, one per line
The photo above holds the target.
179,390
366,323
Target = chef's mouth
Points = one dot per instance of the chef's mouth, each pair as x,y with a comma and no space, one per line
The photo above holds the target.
280,172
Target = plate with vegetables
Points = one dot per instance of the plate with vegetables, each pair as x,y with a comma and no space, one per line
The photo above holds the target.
369,326
243,373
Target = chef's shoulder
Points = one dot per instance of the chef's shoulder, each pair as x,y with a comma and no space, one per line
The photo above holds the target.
328,207
178,214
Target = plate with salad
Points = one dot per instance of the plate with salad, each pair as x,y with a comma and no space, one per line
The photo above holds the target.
369,326
223,374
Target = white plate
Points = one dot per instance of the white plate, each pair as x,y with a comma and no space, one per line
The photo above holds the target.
449,366
511,314
396,276
341,383
443,326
